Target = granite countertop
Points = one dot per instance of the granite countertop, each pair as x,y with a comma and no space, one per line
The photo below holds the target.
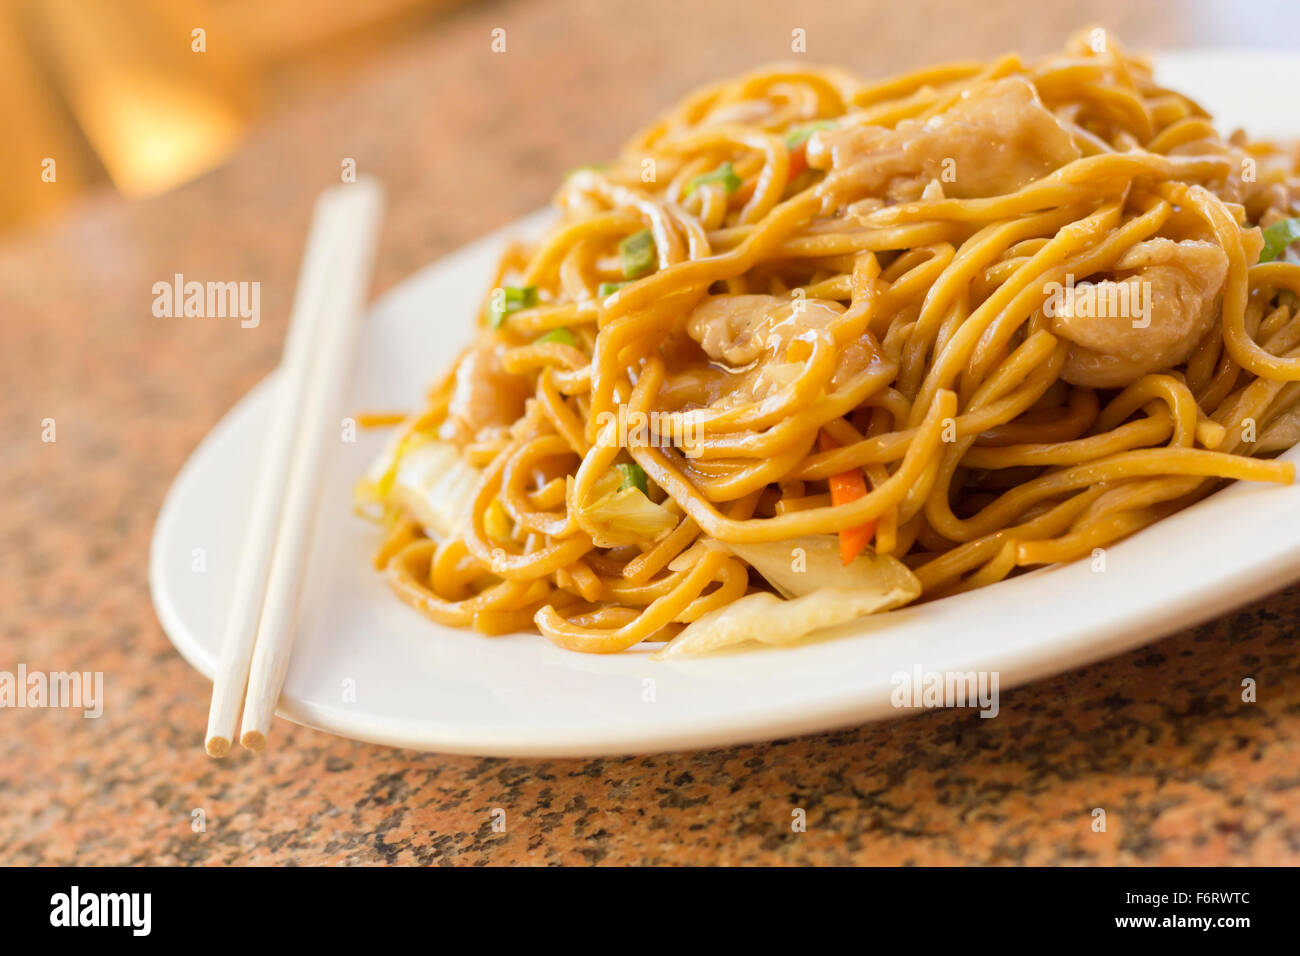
465,141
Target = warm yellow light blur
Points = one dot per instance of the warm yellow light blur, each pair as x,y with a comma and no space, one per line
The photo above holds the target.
129,91
152,137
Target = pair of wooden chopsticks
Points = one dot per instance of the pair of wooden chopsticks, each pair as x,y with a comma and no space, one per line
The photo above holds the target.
314,371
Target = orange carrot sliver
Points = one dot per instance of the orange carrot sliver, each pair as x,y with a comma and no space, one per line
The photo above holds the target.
845,487
798,160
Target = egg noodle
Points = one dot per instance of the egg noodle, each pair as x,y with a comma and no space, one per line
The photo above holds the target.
985,316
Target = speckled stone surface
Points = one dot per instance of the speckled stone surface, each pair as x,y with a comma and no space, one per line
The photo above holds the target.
466,141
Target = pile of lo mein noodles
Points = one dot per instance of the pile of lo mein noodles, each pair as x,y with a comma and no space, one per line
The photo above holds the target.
813,347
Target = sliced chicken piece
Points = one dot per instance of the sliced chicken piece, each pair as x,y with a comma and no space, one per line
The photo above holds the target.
996,139
745,340
1151,316
486,399
737,329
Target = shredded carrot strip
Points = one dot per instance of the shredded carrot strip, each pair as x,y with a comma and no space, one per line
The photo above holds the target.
798,160
845,487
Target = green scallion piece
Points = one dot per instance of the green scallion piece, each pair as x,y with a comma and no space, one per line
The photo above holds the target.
559,334
510,299
799,135
638,253
608,288
633,477
1278,236
723,174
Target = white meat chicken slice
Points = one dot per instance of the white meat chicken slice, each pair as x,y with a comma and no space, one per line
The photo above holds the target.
1173,294
997,138
485,399
745,340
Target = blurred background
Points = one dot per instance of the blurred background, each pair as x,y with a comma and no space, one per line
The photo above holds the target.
140,96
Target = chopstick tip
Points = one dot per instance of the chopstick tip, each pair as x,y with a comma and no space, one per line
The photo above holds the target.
253,740
218,747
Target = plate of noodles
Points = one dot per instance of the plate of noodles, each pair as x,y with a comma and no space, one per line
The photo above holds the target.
820,386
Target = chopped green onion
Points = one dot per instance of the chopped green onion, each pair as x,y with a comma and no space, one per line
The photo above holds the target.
723,174
638,252
609,288
633,477
1278,236
510,299
559,334
799,135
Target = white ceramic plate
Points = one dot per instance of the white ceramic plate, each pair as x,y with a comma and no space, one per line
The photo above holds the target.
418,684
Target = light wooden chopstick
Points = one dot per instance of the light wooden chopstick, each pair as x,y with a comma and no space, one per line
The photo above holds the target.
318,355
